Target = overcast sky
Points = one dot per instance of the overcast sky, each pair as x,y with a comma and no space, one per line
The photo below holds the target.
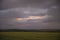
29,14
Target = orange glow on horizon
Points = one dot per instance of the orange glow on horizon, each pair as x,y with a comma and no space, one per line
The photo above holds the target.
19,19
31,18
34,17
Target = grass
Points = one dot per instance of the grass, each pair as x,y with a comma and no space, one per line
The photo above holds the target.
29,36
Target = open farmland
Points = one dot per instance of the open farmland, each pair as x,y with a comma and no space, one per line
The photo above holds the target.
29,35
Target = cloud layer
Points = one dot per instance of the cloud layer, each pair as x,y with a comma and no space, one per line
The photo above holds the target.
35,14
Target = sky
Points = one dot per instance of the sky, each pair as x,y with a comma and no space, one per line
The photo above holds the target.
29,14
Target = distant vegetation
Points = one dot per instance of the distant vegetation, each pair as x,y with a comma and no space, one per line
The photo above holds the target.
30,30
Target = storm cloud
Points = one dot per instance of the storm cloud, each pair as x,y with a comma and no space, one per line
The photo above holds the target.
47,10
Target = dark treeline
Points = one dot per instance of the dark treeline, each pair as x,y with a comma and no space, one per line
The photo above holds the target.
25,30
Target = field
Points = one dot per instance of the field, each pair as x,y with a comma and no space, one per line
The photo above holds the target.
29,35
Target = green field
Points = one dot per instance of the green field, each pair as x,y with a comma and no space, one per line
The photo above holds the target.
29,36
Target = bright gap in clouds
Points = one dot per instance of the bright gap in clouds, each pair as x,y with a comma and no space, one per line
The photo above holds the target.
19,19
32,18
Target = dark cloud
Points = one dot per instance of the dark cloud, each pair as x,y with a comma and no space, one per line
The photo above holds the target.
12,9
7,4
55,12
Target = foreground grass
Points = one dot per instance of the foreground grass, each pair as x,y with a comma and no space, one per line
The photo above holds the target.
29,36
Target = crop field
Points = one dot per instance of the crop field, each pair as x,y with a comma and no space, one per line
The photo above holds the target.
29,35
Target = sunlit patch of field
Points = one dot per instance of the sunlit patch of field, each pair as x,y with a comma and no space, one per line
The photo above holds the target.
29,35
